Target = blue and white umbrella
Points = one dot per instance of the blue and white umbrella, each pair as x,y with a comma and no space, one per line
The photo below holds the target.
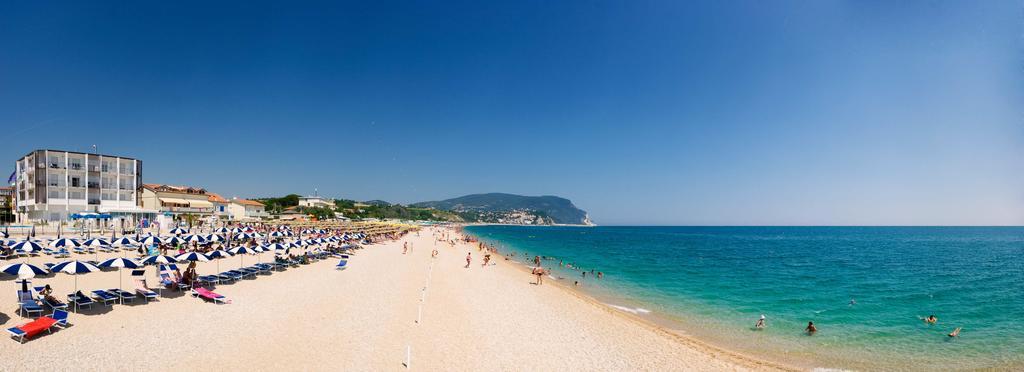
241,252
123,241
218,254
214,238
276,247
221,230
120,263
195,239
151,240
277,234
74,268
192,256
96,242
64,243
23,270
27,246
158,259
175,240
178,231
243,236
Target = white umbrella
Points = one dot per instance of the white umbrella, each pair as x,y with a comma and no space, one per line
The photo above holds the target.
120,263
74,268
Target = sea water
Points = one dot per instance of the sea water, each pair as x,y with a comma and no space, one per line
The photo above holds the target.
865,288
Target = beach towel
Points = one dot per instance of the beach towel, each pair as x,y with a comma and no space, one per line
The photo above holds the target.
37,326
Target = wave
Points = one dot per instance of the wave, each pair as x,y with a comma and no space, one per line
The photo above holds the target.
631,310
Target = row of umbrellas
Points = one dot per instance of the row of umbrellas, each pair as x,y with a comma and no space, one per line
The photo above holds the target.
29,245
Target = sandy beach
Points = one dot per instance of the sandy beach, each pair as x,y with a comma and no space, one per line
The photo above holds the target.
314,317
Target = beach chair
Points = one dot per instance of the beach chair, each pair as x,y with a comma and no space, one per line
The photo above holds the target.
142,290
31,329
206,294
61,316
234,275
54,306
80,300
27,304
342,265
207,279
122,294
263,268
61,253
249,271
103,296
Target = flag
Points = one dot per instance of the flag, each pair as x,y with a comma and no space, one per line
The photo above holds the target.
13,177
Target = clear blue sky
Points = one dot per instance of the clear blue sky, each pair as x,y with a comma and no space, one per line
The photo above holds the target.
641,112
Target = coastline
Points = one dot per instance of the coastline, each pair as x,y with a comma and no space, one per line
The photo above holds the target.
733,356
384,310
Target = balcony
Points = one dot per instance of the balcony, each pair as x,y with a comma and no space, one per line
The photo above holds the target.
186,210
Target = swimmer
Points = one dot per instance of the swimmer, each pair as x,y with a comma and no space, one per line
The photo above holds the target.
955,333
853,302
760,323
931,319
810,328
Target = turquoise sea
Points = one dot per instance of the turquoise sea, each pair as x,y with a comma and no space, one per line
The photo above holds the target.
714,283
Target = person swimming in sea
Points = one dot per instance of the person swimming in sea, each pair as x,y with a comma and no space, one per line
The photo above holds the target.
810,328
931,319
955,333
760,323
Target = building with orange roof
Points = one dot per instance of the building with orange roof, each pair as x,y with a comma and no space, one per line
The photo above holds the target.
244,209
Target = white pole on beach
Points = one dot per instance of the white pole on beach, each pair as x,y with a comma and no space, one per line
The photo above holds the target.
408,356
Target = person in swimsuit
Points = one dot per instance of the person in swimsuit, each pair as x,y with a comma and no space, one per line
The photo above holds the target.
955,333
469,258
931,319
811,328
760,323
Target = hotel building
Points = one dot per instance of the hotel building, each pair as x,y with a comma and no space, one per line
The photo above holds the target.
52,185
316,202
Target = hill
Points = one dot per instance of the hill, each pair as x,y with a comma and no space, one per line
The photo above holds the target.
550,208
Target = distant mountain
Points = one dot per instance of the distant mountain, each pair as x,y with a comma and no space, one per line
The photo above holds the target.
379,203
549,208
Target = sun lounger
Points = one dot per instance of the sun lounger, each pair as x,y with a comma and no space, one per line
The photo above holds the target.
342,265
249,271
234,275
80,300
31,329
105,297
142,290
122,294
263,268
207,279
28,305
206,294
61,316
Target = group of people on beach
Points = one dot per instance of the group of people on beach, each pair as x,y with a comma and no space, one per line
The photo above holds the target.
811,329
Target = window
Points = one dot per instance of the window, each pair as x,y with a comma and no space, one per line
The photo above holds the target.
76,182
108,196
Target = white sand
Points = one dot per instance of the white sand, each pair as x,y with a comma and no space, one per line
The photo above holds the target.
316,318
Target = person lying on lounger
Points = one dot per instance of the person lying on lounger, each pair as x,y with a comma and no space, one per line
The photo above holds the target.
47,294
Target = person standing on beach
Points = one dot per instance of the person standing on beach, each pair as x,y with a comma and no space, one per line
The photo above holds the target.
469,258
536,260
539,272
405,247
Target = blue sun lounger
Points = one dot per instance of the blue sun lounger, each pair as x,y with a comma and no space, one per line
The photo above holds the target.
80,300
122,294
28,305
105,297
342,265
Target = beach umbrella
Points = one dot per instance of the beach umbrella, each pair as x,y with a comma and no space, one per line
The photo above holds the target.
275,246
120,263
4,234
243,236
123,241
96,242
218,254
27,246
23,270
277,234
214,238
178,231
194,239
64,243
192,256
74,268
222,230
151,240
240,251
175,240
158,259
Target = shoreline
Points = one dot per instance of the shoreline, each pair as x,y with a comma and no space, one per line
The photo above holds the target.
690,341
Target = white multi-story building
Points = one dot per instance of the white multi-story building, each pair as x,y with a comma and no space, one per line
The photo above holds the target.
316,201
53,185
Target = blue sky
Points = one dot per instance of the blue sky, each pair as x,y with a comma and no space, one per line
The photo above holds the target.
641,112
